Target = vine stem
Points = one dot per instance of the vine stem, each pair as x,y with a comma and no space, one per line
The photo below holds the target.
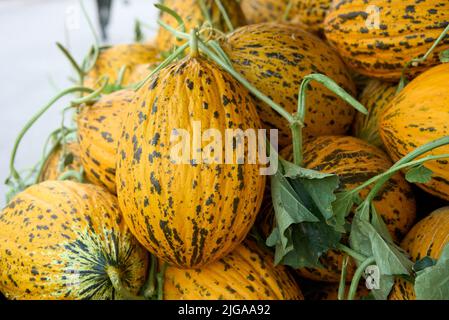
416,61
205,12
117,283
174,14
138,34
351,252
225,15
342,286
46,154
30,123
404,163
72,61
357,275
296,129
214,44
193,43
78,175
178,34
165,63
160,281
301,109
284,113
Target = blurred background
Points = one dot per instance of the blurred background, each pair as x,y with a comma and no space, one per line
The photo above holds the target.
33,70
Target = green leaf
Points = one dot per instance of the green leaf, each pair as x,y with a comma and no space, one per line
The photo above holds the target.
359,239
386,283
287,205
363,211
302,201
432,283
390,259
342,206
309,242
319,186
444,56
379,224
419,174
425,262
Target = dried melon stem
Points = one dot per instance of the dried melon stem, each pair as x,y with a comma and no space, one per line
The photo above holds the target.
123,293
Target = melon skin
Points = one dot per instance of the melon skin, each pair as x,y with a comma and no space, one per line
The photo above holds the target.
418,115
402,31
187,213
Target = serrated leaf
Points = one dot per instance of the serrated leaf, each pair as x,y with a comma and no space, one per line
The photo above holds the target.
319,186
310,241
288,208
419,174
302,200
432,283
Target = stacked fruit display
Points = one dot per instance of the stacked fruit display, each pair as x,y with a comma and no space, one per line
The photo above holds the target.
136,199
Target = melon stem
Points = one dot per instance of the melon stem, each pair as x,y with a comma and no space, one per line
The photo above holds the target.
193,43
123,293
160,281
150,287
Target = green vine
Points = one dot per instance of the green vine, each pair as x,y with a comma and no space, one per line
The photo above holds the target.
342,285
225,15
357,275
14,179
301,113
416,61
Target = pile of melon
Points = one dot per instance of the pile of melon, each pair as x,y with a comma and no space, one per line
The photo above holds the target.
358,98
